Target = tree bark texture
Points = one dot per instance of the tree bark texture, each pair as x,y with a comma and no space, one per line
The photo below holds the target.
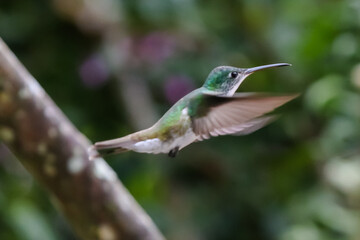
87,192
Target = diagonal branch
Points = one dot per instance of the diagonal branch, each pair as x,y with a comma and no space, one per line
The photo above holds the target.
88,192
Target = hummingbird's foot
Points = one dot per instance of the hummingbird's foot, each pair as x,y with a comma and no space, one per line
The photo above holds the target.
173,152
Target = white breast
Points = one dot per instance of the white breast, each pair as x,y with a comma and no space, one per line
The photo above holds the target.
156,145
148,146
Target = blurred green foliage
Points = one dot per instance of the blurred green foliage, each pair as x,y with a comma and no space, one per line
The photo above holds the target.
298,178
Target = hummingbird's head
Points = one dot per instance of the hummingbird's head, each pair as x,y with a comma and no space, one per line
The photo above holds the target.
225,80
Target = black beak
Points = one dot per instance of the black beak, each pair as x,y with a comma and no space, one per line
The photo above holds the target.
249,71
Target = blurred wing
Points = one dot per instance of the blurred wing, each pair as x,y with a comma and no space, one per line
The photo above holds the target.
240,114
254,125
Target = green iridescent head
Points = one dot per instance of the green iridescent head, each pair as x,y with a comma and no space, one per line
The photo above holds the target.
225,80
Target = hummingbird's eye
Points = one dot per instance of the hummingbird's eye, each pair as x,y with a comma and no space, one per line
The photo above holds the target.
234,74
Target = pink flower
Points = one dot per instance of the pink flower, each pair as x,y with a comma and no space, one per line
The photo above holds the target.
156,47
94,72
176,87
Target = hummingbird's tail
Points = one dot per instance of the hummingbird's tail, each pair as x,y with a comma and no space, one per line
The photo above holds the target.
110,147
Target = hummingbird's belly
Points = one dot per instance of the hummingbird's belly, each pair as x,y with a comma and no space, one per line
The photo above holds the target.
179,136
155,145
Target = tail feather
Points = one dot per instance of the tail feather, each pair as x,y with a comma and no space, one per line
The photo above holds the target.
110,147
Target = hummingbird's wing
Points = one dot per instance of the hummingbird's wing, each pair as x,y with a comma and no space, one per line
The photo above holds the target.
254,125
240,114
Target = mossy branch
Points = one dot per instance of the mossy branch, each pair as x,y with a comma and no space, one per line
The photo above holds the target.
88,192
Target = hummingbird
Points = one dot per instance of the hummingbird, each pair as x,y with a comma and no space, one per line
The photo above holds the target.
211,110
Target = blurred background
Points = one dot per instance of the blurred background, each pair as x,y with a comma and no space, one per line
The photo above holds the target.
115,66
